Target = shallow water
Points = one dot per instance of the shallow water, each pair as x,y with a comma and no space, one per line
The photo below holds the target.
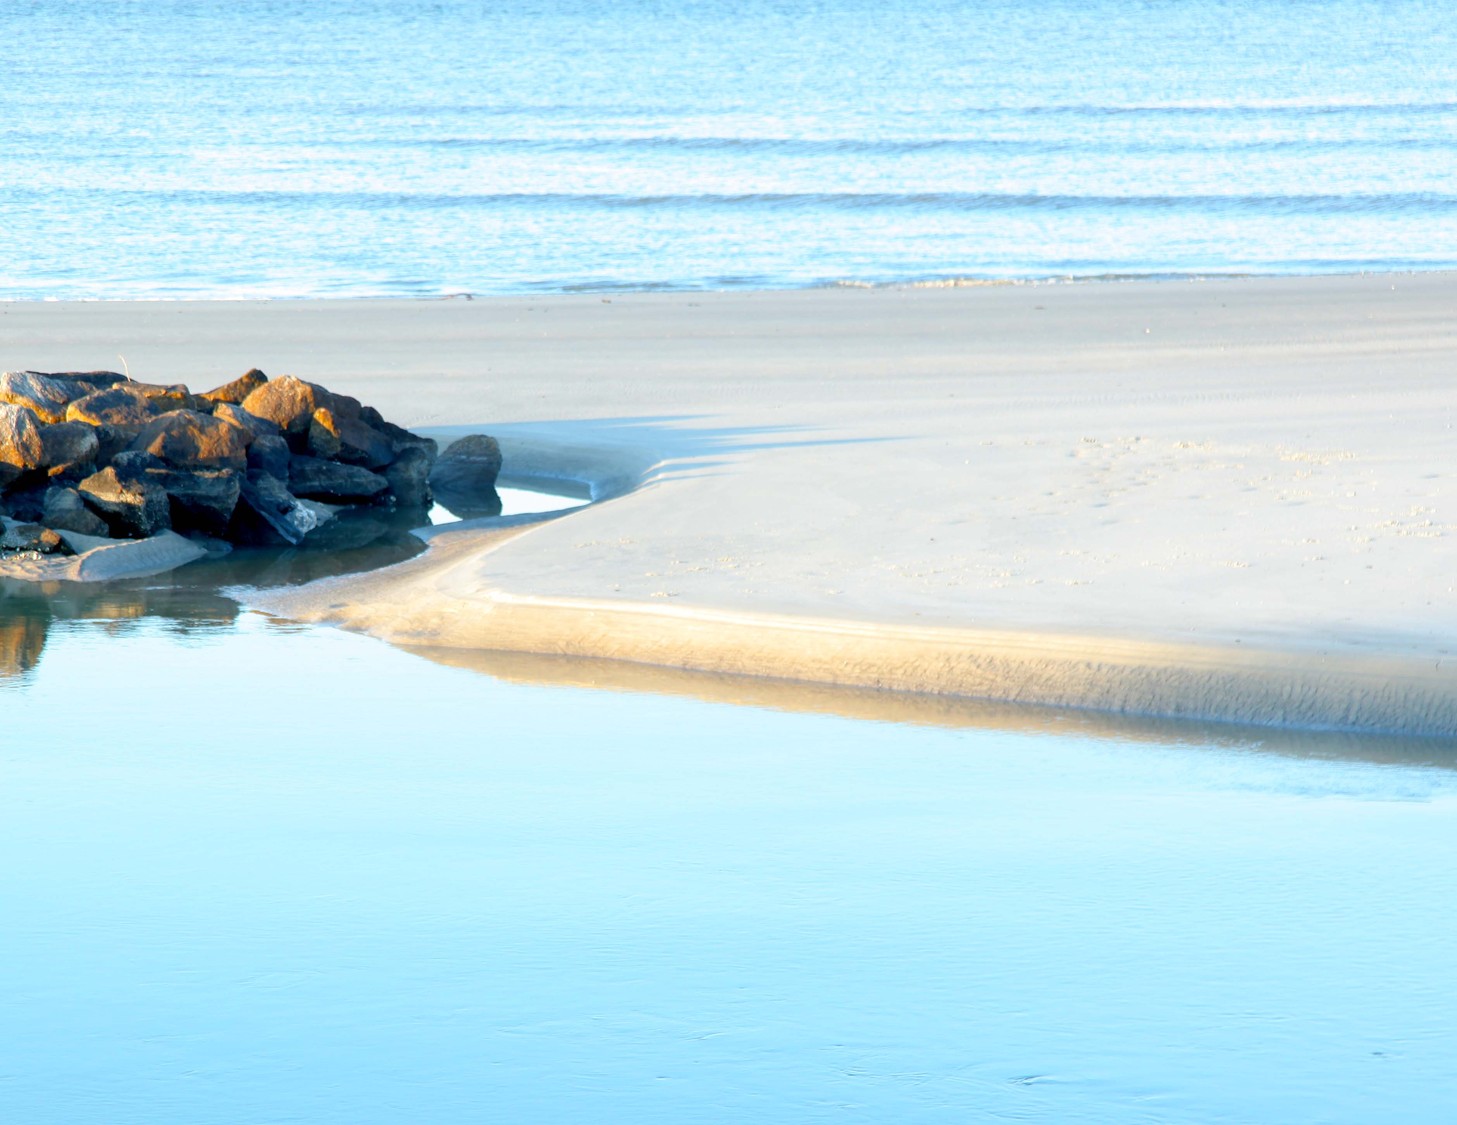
255,871
185,148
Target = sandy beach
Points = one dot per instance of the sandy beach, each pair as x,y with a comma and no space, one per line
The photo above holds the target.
1223,499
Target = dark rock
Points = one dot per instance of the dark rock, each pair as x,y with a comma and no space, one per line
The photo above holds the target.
27,502
401,439
113,440
325,480
201,499
9,474
69,445
90,380
239,389
464,477
409,478
268,515
324,434
269,454
132,508
21,443
32,537
349,531
135,464
250,424
185,439
64,510
350,440
122,405
48,397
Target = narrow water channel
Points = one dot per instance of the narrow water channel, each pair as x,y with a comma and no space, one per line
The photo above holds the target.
257,871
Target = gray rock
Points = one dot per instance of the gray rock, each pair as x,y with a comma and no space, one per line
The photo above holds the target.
201,499
21,443
48,397
409,478
239,389
269,515
401,439
69,445
135,464
112,440
132,506
121,405
464,476
26,502
64,510
89,380
325,480
32,537
185,439
269,454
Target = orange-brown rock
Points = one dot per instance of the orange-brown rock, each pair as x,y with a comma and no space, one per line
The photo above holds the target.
185,439
122,405
238,390
21,443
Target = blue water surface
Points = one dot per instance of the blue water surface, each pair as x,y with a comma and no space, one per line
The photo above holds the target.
179,148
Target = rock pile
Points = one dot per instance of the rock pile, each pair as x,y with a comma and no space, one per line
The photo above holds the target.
257,462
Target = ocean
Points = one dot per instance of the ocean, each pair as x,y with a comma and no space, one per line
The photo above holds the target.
313,148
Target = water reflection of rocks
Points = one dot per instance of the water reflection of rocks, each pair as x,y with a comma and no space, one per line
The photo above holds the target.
192,598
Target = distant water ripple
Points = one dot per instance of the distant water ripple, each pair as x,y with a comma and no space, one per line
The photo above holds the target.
289,149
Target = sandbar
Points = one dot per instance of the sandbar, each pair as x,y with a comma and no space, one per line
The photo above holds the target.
1225,499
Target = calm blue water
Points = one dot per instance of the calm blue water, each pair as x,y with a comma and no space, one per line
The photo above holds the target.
378,147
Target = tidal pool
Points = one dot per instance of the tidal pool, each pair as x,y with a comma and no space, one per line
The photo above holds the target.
255,871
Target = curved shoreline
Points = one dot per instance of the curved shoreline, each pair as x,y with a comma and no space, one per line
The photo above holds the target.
1233,500
439,600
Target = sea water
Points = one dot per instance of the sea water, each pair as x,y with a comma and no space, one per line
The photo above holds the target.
294,148
253,871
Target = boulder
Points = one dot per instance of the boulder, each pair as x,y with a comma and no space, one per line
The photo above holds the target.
185,439
132,506
250,424
287,402
9,474
240,388
401,439
69,446
464,476
134,464
268,514
64,510
326,480
48,397
27,501
32,537
113,440
332,435
409,478
89,380
269,454
201,500
21,443
324,434
122,405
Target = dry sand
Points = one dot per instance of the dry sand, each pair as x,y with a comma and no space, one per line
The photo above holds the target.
1224,499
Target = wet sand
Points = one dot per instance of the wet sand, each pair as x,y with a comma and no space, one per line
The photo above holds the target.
1224,499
